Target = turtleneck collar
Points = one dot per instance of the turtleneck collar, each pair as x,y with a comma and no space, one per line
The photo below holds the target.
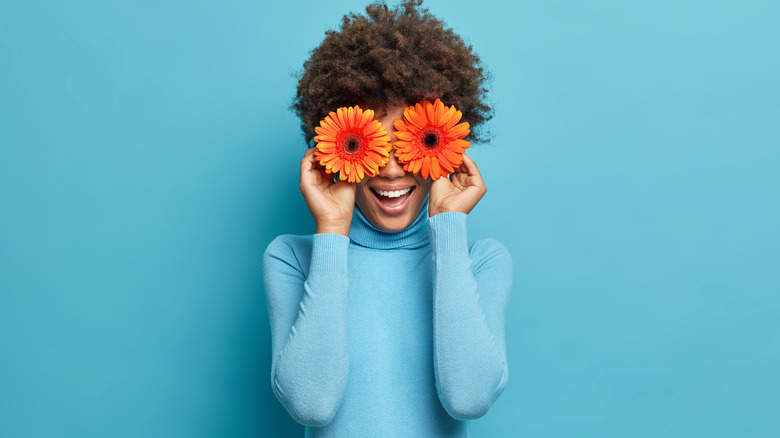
363,233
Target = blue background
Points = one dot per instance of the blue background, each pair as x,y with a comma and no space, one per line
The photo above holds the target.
148,157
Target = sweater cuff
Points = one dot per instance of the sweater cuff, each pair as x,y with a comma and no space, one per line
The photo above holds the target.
447,232
329,252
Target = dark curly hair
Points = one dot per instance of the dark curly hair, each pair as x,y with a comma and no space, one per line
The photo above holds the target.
397,56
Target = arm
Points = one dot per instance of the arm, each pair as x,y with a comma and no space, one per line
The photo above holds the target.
470,296
308,311
308,316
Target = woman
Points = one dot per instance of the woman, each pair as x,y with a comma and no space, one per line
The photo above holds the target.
388,321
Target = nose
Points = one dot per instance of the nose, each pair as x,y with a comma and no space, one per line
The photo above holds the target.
393,169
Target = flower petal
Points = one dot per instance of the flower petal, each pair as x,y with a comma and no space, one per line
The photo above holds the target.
459,131
417,166
438,110
415,117
453,157
430,113
445,165
458,145
434,168
368,115
426,165
351,116
454,120
405,136
341,115
447,116
375,128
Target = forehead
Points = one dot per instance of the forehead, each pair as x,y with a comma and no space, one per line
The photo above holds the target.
381,109
388,110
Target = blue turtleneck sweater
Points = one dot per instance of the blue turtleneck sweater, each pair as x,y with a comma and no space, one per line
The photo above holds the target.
388,334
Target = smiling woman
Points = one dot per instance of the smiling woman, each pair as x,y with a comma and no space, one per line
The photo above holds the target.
388,321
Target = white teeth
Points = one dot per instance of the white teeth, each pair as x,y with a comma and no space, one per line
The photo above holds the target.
394,193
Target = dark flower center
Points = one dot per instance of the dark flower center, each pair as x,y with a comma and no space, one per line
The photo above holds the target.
431,139
351,144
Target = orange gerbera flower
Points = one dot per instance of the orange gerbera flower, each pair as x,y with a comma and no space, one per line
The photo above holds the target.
429,141
352,143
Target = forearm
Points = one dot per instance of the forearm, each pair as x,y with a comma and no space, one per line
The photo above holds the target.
469,353
310,366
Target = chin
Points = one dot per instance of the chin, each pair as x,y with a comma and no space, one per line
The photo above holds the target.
392,205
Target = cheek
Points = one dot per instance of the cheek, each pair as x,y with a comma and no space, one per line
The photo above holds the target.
362,194
361,191
425,186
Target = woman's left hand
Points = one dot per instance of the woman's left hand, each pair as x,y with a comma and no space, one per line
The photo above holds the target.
460,192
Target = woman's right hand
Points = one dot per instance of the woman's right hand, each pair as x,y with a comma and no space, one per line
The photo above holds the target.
330,203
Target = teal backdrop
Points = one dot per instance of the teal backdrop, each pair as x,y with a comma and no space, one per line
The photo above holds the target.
148,156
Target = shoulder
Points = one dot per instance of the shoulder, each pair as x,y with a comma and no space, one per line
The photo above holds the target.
288,242
488,246
288,249
489,251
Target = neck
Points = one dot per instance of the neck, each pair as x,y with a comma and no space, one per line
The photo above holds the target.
364,233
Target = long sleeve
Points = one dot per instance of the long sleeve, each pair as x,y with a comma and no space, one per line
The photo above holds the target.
309,326
470,298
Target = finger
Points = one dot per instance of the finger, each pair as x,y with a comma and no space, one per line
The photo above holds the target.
475,177
470,166
458,176
309,157
311,171
442,182
307,166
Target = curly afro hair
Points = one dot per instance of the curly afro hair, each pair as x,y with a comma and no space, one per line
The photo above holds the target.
397,56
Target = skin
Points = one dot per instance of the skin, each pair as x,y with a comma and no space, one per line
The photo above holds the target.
332,203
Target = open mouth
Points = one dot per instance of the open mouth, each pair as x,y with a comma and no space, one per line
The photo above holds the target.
392,201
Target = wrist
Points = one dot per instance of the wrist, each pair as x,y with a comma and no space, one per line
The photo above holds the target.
448,232
342,231
333,227
433,211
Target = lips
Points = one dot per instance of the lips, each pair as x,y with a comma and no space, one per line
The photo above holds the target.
392,200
